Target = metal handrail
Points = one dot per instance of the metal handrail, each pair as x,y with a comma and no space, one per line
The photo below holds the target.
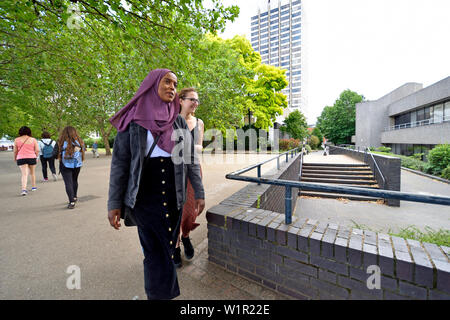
376,166
417,123
339,189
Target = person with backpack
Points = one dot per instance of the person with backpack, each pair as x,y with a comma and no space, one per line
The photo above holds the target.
46,147
70,151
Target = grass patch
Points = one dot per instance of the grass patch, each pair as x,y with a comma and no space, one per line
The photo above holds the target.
439,237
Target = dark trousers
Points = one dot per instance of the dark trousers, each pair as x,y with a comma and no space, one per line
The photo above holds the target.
51,164
70,177
158,223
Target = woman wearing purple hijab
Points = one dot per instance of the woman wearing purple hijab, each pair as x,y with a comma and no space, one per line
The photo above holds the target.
147,186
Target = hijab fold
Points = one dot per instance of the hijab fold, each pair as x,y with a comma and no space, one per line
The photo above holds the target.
148,110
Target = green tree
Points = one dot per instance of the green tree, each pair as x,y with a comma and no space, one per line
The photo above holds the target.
295,124
337,123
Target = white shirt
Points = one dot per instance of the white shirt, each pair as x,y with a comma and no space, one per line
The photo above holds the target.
157,151
41,145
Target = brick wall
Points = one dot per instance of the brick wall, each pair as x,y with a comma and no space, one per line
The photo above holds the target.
389,166
309,259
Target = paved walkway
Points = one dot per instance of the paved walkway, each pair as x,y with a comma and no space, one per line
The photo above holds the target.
40,238
375,216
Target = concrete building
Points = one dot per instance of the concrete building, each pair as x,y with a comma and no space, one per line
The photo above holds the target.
276,35
411,119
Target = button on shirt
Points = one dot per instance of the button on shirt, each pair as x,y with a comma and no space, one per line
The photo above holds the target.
157,151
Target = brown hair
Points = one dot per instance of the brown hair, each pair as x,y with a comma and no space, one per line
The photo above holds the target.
45,135
183,93
70,135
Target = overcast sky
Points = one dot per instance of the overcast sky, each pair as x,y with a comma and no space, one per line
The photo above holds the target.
368,46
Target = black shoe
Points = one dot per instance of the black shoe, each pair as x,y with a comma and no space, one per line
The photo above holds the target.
188,248
71,205
177,257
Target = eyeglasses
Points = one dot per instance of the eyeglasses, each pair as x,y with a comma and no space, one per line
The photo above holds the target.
192,100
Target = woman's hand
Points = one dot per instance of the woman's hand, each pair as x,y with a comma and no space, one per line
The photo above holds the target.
114,218
199,205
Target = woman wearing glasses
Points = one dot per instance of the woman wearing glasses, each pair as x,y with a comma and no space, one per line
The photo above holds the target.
189,103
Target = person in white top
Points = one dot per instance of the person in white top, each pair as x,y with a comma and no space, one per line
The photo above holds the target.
46,147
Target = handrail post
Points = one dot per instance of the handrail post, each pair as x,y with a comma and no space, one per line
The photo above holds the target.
288,205
259,173
278,163
287,157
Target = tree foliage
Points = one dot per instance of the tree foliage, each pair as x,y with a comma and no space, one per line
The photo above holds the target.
295,124
76,63
337,123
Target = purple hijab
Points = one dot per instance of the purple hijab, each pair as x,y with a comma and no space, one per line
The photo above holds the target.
149,111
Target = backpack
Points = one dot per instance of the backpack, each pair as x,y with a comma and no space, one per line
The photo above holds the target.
76,160
47,151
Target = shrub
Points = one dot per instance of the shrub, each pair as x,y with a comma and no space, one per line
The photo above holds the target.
372,148
384,149
288,144
314,142
308,148
446,173
413,163
439,158
417,156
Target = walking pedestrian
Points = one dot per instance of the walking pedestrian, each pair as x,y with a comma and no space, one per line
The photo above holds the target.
95,149
189,103
148,174
46,148
26,150
70,151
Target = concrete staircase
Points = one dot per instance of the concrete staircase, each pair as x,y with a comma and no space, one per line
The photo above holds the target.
351,175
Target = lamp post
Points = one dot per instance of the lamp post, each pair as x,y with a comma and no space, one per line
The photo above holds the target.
249,117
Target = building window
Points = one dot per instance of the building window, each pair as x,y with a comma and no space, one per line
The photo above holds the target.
447,111
263,14
263,20
438,113
254,33
254,23
264,25
274,27
254,17
274,10
284,18
295,14
296,26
